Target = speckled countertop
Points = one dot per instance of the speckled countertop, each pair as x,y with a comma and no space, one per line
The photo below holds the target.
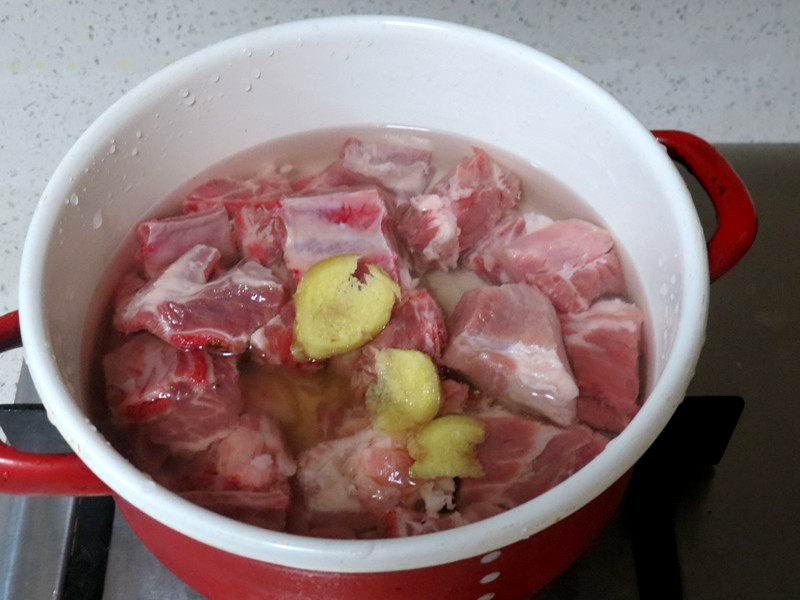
724,69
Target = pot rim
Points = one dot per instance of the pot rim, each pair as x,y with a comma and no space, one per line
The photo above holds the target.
363,555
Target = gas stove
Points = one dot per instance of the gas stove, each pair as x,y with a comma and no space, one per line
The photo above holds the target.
695,525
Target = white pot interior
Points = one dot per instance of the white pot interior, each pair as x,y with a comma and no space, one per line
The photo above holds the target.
341,72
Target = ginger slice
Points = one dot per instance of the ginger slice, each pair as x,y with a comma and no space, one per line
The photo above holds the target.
341,304
446,448
406,392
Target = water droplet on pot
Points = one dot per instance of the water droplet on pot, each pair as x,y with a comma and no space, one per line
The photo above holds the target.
184,93
256,74
248,87
112,149
271,53
73,199
138,135
215,78
97,220
134,152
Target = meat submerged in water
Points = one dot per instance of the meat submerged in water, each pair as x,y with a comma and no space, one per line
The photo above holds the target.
186,308
571,261
245,475
507,341
523,458
235,194
181,399
163,241
603,346
461,208
223,407
260,235
348,485
347,222
400,169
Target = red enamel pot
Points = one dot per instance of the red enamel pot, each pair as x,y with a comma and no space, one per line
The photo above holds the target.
336,73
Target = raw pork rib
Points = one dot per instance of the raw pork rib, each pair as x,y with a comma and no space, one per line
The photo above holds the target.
245,475
235,194
417,323
183,399
603,347
478,193
523,458
260,234
571,261
165,240
507,341
347,222
348,484
184,309
402,170
429,227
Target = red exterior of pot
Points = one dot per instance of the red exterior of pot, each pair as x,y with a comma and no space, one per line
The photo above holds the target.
511,573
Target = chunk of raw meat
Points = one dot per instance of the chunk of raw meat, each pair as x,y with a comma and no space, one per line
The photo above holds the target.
182,399
417,323
478,193
523,458
245,475
507,341
603,347
272,343
260,234
428,226
487,256
184,309
252,456
235,194
571,261
349,222
400,169
358,479
345,222
165,240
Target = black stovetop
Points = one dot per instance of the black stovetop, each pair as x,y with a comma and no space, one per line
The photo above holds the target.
690,528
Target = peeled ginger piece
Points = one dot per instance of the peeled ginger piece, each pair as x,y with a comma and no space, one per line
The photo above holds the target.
406,393
341,305
446,448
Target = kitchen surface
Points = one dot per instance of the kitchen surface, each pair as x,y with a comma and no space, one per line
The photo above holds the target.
725,70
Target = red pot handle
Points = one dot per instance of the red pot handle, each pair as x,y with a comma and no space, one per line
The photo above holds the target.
47,474
736,215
